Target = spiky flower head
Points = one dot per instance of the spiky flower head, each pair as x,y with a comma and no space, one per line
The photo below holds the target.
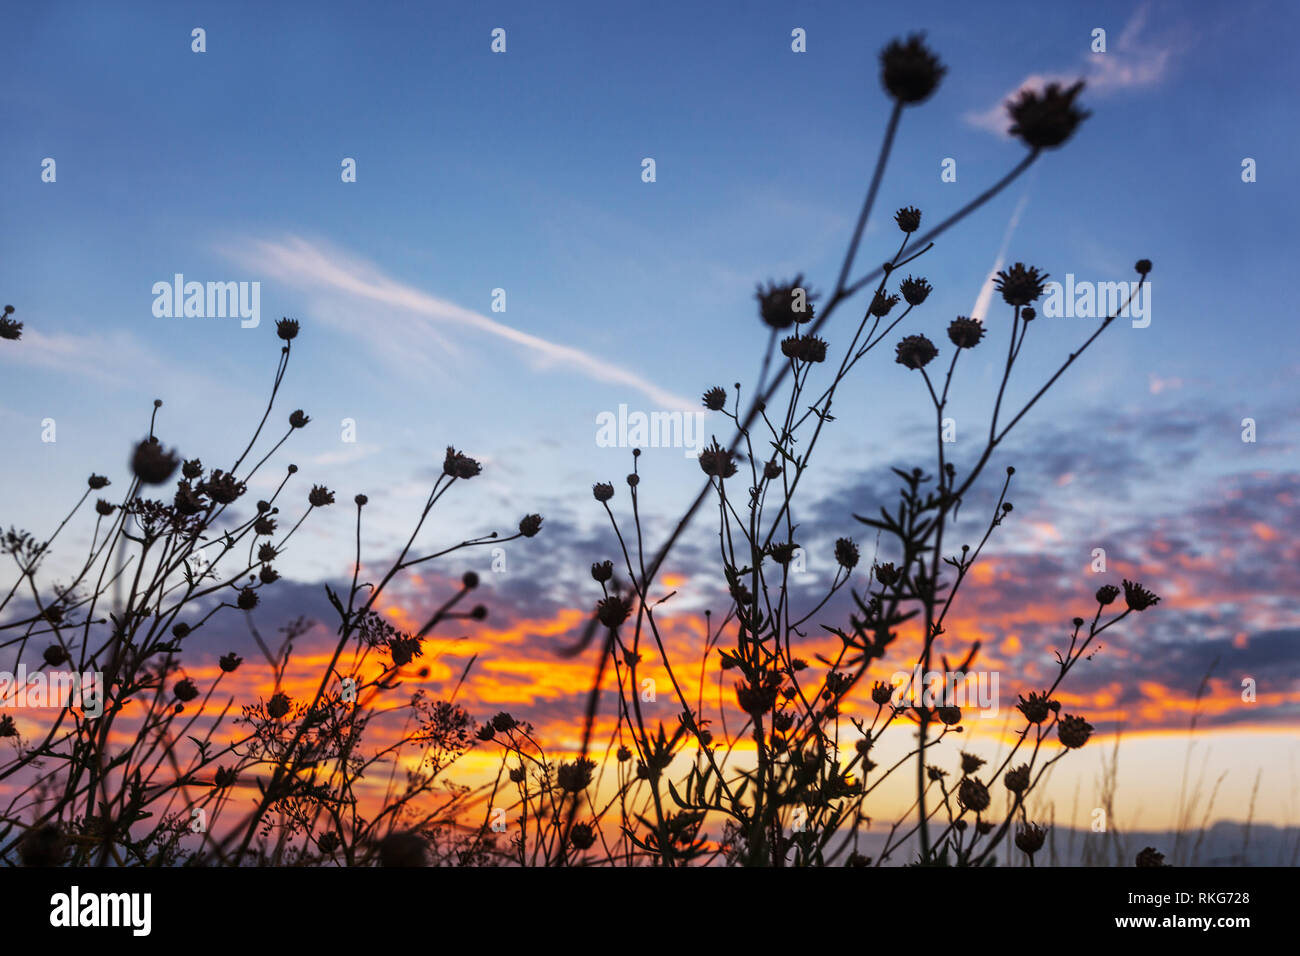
964,332
909,70
1046,120
1020,284
915,352
781,305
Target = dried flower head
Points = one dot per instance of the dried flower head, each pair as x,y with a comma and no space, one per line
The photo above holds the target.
882,303
287,329
459,465
97,482
1017,778
151,464
582,836
1030,837
247,599
575,777
103,508
915,291
881,693
785,304
1138,597
186,690
278,705
530,525
964,332
971,763
908,219
613,610
1106,594
54,655
716,461
1046,120
973,795
715,399
806,348
1073,732
1150,856
320,496
298,419
602,491
915,352
909,71
602,571
846,553
230,662
1020,284
1035,707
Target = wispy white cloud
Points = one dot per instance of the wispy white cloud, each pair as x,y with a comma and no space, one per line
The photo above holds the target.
109,358
1131,61
980,309
412,325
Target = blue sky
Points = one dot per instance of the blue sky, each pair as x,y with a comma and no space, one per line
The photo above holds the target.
522,171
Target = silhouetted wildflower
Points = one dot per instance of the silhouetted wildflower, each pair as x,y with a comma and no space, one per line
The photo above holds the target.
758,697
846,553
908,219
186,690
103,508
781,306
97,482
965,333
805,348
881,303
1150,856
772,470
264,526
1020,284
278,705
1073,732
1106,594
9,329
1030,837
458,465
1138,597
575,777
1143,266
1035,707
716,461
602,491
320,496
602,571
1046,120
247,599
230,662
613,611
971,763
530,525
915,291
1017,779
715,399
187,501
973,795
583,836
910,71
7,726
881,693
287,329
151,464
949,714
915,352
298,419
783,553
222,487
268,574
54,655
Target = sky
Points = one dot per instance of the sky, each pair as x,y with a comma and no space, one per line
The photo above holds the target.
522,171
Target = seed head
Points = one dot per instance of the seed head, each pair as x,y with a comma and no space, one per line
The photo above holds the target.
1138,597
782,305
287,329
1020,284
458,465
320,496
908,219
602,491
186,690
915,291
715,399
1073,732
909,71
965,333
915,352
151,464
530,525
1046,120
299,419
846,553
1030,837
230,662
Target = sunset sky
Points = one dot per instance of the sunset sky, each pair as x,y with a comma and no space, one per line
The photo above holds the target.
522,171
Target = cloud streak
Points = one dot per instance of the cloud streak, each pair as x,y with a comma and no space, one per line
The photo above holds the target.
414,324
